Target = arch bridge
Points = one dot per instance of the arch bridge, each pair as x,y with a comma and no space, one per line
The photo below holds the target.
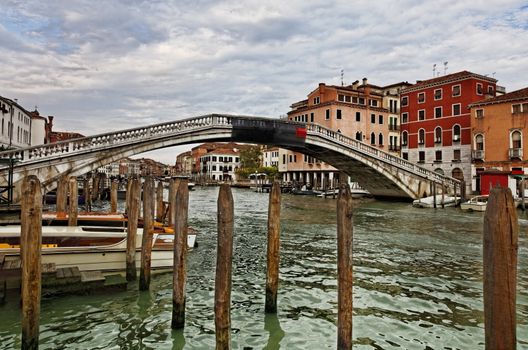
381,173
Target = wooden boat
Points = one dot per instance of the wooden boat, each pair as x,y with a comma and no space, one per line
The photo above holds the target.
477,203
89,248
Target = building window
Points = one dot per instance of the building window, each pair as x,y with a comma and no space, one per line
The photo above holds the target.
327,115
516,139
421,137
490,90
373,118
456,90
421,156
456,133
438,135
438,156
525,107
456,155
316,100
405,117
338,114
380,139
421,97
380,119
372,139
374,103
404,101
438,94
341,98
516,108
438,112
361,101
458,174
359,136
404,138
311,117
479,89
358,116
283,159
479,142
421,114
456,109
214,168
479,113
405,155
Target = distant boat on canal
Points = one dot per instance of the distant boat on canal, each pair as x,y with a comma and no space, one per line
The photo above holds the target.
428,202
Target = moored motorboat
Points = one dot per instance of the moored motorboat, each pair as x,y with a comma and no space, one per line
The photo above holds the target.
89,248
477,203
428,202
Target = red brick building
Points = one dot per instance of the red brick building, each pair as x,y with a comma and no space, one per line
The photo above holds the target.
436,122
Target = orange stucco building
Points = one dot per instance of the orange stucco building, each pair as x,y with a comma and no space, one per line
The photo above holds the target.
499,127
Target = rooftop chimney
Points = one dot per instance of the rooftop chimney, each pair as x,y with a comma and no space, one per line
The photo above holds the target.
364,81
355,84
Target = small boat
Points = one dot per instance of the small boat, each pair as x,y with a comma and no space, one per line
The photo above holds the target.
428,202
90,248
477,203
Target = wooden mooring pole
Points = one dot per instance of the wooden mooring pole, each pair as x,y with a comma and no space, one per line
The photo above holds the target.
272,275
224,261
173,190
344,268
133,204
87,195
73,201
61,199
148,224
159,202
31,243
113,196
180,254
434,194
501,235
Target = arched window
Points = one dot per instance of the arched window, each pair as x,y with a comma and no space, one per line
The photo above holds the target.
359,136
456,133
458,174
404,138
438,135
516,139
421,136
372,139
439,171
479,142
380,139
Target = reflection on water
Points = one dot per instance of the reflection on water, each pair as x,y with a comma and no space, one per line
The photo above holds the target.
417,284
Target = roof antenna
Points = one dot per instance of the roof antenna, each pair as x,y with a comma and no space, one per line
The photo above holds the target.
445,67
434,70
493,74
342,74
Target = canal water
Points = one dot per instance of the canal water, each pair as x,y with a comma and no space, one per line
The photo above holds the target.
417,284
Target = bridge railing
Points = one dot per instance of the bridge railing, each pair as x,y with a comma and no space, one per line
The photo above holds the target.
123,137
381,155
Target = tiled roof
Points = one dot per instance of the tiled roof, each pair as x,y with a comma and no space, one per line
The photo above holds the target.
447,78
517,95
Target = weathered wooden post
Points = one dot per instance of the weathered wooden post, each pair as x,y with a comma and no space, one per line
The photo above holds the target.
87,195
146,242
224,259
443,194
434,194
180,253
113,196
455,192
62,197
30,245
133,212
344,268
73,201
95,186
522,195
173,190
159,201
501,234
462,191
272,275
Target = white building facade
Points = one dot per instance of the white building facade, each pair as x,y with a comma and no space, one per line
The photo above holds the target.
15,125
220,165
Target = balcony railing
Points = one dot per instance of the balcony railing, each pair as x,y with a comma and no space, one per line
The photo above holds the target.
394,148
516,153
393,127
478,154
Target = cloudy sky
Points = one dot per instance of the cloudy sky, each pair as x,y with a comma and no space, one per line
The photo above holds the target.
102,65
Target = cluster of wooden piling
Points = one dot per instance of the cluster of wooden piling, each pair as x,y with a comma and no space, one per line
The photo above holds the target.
500,258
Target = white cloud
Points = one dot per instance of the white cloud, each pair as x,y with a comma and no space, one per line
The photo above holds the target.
99,65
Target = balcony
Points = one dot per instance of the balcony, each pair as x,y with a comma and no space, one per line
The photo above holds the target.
478,154
394,148
438,140
516,153
393,127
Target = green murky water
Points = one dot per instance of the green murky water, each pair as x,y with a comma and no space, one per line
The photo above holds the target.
417,284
